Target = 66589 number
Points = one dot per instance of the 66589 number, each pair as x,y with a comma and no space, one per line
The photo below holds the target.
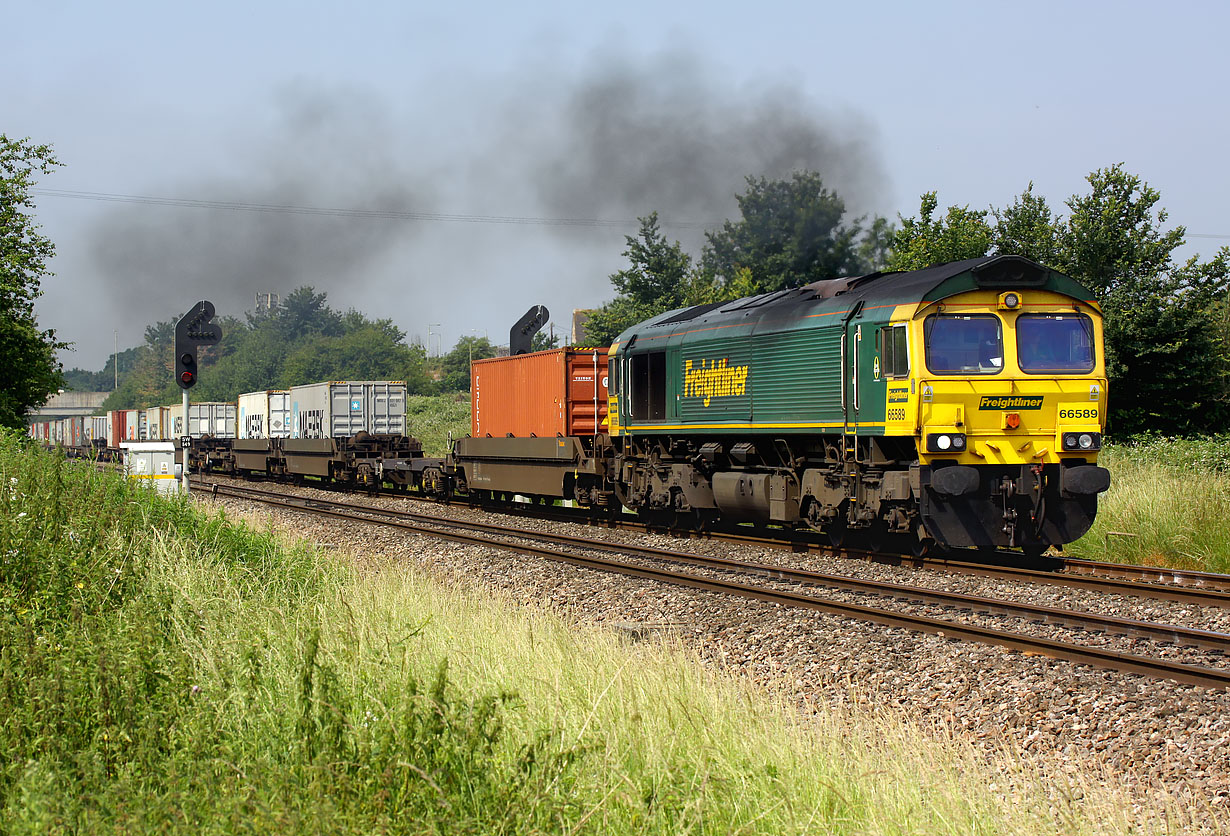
1078,413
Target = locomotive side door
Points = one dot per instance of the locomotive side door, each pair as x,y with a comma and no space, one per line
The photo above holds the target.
852,339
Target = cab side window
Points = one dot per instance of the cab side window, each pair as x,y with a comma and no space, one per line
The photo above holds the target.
894,351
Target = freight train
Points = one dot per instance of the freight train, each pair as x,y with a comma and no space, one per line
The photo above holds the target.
961,406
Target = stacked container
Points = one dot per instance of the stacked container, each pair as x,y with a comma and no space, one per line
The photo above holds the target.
264,414
342,409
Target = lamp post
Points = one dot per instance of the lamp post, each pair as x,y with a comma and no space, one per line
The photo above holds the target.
431,325
473,331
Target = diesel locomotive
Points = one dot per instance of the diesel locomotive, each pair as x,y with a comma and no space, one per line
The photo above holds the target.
960,405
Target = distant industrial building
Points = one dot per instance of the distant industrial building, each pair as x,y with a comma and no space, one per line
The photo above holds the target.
579,318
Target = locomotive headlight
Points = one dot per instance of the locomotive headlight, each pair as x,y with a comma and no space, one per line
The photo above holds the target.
945,442
1082,442
1009,301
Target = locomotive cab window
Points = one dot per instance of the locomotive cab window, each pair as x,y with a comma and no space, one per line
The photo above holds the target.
647,375
964,344
1055,343
895,357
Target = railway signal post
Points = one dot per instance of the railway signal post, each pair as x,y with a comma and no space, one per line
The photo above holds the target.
194,330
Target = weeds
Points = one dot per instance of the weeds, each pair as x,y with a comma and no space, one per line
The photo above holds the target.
433,419
1167,505
118,711
166,670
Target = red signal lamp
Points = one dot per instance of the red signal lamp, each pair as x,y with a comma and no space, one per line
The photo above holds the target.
187,378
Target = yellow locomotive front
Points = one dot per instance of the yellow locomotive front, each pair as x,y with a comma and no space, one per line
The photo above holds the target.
1007,408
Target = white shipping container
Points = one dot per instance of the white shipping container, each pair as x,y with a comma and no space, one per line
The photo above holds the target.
175,419
158,423
264,414
341,408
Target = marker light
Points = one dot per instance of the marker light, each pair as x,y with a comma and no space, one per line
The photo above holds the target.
943,442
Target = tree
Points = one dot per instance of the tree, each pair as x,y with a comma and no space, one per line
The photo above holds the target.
962,233
455,365
304,342
659,278
1027,228
304,312
792,232
542,340
30,372
1165,358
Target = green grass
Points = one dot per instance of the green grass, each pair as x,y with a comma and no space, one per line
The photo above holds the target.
166,670
431,419
1168,505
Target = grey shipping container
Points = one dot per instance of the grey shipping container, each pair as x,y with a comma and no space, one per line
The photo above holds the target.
213,418
344,408
264,414
99,431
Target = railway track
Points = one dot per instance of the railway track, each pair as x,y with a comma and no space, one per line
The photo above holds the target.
660,565
1158,583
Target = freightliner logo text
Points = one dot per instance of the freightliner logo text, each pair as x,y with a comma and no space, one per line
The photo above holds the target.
1010,402
713,379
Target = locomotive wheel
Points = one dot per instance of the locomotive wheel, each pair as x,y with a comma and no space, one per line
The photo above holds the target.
876,536
920,544
835,531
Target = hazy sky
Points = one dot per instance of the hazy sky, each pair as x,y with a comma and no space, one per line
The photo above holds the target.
452,167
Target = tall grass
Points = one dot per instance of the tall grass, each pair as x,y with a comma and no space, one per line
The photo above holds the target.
164,670
432,419
1168,505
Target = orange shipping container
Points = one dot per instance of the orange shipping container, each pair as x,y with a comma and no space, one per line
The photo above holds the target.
561,391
